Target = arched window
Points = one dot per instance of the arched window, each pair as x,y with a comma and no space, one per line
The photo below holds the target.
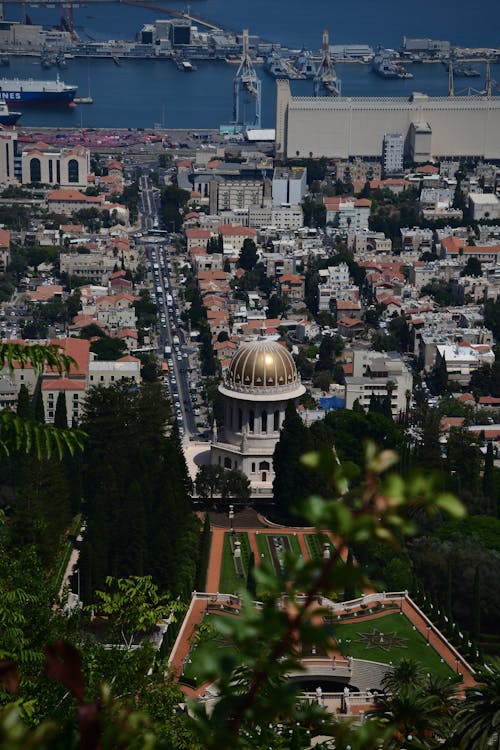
251,420
35,170
276,424
240,419
253,468
264,421
73,171
227,463
264,466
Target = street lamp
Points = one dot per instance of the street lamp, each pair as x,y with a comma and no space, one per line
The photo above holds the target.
77,571
231,518
428,627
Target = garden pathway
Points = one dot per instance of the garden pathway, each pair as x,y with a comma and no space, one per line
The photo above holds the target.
215,560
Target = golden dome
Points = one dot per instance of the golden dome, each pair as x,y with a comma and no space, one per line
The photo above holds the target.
262,366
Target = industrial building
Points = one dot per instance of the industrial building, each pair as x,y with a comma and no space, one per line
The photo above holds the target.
344,127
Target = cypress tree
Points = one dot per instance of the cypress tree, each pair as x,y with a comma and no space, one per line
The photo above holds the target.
488,480
61,416
292,481
476,605
251,582
24,405
449,588
349,592
38,406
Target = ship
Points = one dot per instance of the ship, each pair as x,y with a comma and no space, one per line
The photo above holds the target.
276,67
384,65
8,118
465,71
28,92
305,64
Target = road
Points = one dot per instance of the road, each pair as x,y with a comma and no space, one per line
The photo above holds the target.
172,344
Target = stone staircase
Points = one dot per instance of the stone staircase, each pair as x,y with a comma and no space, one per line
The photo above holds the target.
368,675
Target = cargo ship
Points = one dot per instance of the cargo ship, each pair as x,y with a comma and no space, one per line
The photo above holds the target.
28,92
8,118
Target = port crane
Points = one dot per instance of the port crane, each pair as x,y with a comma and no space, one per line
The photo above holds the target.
489,83
246,82
325,80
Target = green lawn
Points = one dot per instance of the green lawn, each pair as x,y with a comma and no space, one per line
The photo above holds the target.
191,669
315,545
413,644
64,553
229,582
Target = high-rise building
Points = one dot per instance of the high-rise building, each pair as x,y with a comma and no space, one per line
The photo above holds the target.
393,153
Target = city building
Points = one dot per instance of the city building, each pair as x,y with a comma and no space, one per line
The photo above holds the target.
393,153
347,212
281,218
462,359
96,267
233,237
432,47
261,380
4,249
378,374
68,201
289,185
106,373
8,154
67,167
484,206
342,127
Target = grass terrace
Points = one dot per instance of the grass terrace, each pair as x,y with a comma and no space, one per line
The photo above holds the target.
315,545
230,582
397,640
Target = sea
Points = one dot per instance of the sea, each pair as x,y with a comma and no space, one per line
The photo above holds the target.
149,93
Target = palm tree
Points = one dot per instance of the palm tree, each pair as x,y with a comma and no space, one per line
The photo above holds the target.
444,692
478,719
408,715
407,674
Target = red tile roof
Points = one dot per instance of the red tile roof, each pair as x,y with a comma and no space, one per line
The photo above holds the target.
63,384
4,238
233,230
45,292
196,233
78,349
72,195
427,169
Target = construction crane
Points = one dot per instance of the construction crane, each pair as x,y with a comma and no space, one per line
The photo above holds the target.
246,82
325,80
451,85
67,20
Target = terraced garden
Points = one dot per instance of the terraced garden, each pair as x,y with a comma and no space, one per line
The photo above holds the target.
387,639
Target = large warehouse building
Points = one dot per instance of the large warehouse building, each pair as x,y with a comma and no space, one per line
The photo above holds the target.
341,127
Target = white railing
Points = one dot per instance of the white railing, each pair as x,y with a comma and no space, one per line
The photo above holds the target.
429,624
396,597
367,599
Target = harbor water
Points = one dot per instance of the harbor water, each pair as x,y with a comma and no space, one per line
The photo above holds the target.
144,93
